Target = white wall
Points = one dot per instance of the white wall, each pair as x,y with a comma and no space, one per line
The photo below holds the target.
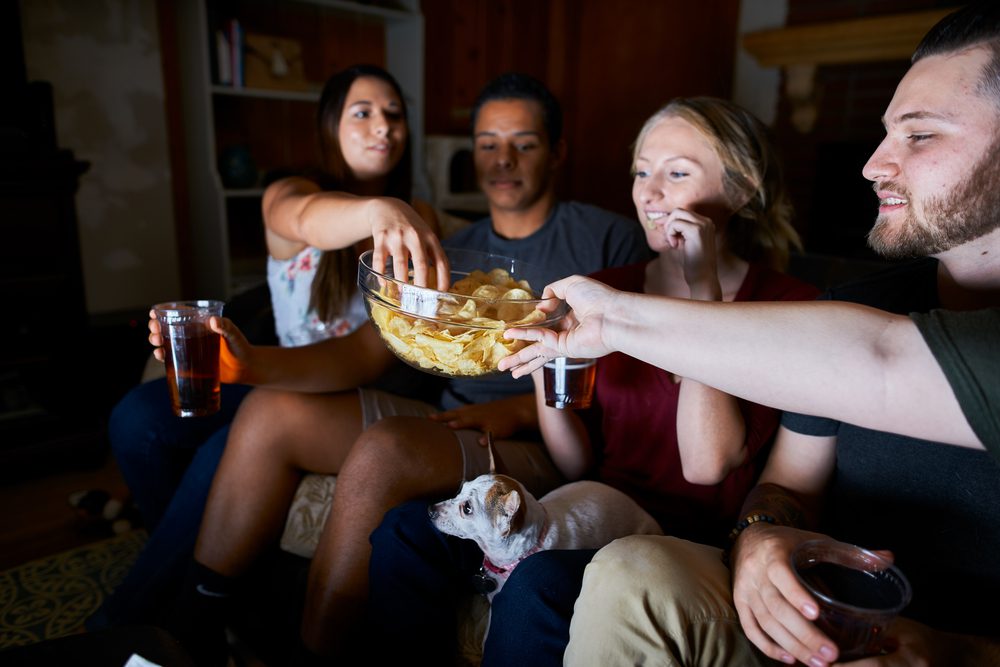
102,58
756,87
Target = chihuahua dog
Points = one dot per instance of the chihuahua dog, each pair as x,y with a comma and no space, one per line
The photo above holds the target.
509,524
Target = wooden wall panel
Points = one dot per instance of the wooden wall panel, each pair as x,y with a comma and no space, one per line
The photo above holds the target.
611,64
470,42
629,59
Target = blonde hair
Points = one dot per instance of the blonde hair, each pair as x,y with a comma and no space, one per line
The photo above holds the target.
761,229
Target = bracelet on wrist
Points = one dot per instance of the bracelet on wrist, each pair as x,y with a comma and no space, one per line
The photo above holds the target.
748,521
743,524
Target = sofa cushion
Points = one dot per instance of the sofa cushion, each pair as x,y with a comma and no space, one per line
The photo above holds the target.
307,515
304,525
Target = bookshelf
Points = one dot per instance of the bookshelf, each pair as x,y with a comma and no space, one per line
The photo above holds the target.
274,125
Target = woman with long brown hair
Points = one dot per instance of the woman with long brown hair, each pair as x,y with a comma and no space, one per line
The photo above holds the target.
315,227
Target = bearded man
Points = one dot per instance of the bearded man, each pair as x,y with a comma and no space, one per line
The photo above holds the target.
936,507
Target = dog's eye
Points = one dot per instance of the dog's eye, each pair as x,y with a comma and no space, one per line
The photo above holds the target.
467,507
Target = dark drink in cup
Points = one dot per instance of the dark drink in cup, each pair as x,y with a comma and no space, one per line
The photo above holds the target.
193,373
858,593
191,353
569,382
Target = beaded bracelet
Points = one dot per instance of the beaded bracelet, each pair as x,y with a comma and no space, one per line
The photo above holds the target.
742,525
750,519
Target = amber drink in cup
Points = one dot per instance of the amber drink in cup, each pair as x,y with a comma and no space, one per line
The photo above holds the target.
569,382
191,353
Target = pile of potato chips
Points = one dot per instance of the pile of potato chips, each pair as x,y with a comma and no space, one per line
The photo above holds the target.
459,336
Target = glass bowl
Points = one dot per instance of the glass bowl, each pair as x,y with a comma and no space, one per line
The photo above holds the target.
458,333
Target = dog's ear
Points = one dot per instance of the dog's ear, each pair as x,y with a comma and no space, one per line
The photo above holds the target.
511,515
496,463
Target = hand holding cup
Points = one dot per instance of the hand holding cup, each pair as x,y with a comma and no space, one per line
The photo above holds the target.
190,348
858,592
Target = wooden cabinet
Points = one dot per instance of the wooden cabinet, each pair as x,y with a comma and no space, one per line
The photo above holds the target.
46,394
273,127
611,64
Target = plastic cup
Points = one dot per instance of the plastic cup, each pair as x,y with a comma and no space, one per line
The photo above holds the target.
858,592
569,382
191,353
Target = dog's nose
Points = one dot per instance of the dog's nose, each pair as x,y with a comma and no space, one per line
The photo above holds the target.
431,512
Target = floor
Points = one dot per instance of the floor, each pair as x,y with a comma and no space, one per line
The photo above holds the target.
39,521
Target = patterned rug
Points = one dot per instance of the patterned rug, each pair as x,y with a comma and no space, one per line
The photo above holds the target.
51,597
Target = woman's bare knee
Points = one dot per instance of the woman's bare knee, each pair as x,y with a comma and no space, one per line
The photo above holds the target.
261,421
408,451
407,440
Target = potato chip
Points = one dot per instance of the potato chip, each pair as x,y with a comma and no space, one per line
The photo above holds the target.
490,292
468,311
517,294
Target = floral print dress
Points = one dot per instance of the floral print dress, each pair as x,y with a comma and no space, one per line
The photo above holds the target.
290,282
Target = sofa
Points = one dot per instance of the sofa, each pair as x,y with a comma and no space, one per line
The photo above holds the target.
271,614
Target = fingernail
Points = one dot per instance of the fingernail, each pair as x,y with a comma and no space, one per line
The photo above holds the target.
817,662
827,652
787,659
810,610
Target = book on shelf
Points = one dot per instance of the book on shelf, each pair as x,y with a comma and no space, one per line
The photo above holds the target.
236,49
223,59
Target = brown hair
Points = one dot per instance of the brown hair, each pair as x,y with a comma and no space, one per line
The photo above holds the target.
761,229
976,25
336,274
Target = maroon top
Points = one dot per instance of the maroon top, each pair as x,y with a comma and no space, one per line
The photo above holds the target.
637,409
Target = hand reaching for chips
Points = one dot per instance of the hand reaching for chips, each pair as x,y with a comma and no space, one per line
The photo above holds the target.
459,332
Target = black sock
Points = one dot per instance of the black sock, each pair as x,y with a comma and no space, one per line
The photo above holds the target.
204,583
198,620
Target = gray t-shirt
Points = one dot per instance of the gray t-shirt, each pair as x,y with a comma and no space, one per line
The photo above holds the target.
576,239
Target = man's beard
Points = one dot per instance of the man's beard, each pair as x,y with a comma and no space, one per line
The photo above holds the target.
968,213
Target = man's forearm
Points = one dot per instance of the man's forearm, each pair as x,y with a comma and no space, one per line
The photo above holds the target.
831,359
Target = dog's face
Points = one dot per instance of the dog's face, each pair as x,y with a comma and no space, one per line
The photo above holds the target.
486,508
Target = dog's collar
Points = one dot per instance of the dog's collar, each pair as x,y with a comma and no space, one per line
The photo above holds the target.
504,571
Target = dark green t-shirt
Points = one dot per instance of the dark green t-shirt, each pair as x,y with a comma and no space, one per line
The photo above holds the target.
935,506
965,345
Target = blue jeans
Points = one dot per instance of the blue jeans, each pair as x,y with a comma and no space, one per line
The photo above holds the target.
168,464
531,614
153,448
418,575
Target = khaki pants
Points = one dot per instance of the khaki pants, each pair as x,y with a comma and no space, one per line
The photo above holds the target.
650,600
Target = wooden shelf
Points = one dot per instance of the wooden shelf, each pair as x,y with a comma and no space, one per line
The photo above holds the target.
872,39
236,193
384,13
266,93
